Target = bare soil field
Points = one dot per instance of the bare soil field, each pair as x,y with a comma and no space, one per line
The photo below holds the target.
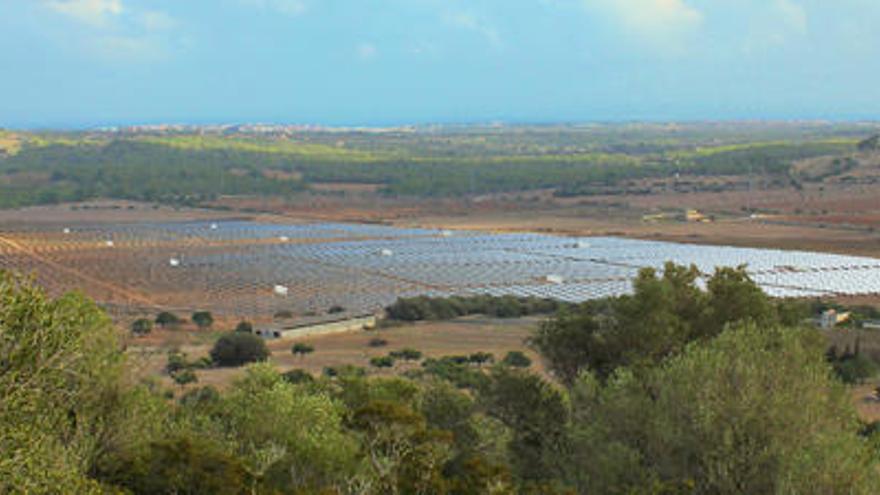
433,339
109,211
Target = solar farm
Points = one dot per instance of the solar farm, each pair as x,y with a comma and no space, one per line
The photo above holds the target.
252,269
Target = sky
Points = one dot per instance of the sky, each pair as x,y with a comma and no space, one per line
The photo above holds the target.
87,63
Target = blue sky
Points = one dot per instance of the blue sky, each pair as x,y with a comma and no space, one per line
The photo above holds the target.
377,62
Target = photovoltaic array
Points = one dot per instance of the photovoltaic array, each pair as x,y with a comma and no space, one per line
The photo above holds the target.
237,267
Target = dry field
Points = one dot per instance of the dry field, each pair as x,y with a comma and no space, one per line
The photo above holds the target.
434,339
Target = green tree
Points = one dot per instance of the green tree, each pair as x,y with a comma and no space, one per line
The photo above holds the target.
294,441
516,359
236,349
536,414
244,327
754,410
185,463
734,297
204,319
403,454
167,319
60,370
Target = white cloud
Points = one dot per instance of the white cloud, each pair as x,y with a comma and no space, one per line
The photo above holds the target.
94,12
470,22
366,51
664,22
792,15
288,7
114,32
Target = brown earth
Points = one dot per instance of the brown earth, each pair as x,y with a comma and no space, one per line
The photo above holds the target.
434,339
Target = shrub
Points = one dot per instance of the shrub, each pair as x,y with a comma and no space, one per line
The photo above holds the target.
377,342
176,362
480,358
335,309
456,370
427,308
382,362
406,354
167,319
297,376
244,327
204,319
855,369
236,349
302,349
344,370
142,326
516,359
185,377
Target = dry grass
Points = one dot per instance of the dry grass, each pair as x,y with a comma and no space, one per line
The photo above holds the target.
433,339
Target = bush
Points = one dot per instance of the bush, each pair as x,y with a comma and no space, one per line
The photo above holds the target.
377,342
406,354
236,349
302,349
855,369
185,377
244,327
142,326
456,370
382,362
481,358
516,359
167,319
297,376
204,319
176,362
335,309
427,308
346,370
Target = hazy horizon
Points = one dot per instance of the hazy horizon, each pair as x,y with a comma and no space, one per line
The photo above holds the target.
91,63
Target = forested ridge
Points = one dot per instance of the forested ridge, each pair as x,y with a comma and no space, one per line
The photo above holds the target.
674,389
195,170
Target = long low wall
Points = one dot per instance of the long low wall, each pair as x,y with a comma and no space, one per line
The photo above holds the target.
350,325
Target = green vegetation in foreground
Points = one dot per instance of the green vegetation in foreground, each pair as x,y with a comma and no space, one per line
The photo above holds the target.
670,390
193,169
